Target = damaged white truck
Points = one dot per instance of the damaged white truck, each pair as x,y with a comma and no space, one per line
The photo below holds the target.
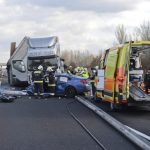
31,53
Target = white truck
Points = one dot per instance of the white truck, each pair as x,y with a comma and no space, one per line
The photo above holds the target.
31,53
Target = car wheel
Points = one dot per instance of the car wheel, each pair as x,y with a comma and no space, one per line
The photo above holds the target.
70,92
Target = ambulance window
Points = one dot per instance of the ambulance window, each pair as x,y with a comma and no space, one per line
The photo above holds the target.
126,70
105,58
111,64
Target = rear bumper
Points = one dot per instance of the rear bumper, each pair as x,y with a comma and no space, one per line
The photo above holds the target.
88,87
82,89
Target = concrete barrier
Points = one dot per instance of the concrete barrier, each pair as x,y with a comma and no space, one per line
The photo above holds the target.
116,124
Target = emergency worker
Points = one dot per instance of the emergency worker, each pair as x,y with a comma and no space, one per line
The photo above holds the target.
147,81
70,70
77,71
81,71
93,76
51,80
85,73
37,78
132,64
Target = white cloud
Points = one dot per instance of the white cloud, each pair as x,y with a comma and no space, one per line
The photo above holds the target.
84,29
1,1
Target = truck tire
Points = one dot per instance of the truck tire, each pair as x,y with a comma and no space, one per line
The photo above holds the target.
10,78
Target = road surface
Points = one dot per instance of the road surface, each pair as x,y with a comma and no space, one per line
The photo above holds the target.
42,124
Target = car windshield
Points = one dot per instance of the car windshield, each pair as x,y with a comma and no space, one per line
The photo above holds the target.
34,63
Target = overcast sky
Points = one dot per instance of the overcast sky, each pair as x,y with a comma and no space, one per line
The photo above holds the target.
79,24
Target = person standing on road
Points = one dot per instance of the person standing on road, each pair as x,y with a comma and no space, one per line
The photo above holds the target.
85,73
50,75
70,70
37,77
93,76
147,81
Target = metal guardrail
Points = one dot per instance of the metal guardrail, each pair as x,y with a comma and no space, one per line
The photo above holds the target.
116,124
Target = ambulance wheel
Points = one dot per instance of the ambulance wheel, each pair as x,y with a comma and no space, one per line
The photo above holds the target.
96,98
70,92
114,107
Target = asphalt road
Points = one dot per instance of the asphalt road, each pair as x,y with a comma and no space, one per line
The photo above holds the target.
42,124
135,117
39,124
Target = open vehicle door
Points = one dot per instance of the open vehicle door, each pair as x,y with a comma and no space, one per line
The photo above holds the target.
110,71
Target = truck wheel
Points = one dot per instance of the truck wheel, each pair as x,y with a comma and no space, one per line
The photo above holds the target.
11,82
70,92
8,78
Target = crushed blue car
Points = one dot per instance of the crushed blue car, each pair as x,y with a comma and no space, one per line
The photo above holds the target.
67,85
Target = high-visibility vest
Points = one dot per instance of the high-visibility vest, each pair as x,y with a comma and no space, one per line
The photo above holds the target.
86,75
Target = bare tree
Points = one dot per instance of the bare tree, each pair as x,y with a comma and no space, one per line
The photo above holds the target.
136,35
144,31
120,33
77,57
144,34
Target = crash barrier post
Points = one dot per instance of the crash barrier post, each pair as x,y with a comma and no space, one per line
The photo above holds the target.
116,124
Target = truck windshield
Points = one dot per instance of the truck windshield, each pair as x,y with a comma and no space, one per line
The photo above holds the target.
34,63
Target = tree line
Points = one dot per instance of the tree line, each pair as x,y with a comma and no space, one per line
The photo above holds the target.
87,59
81,58
140,33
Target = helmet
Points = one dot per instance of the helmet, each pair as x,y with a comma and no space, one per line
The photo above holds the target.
79,69
85,69
49,69
96,67
40,67
70,67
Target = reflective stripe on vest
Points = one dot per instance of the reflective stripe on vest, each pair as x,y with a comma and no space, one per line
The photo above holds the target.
37,71
92,81
38,81
51,84
52,93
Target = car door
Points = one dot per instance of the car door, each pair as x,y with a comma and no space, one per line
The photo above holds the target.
61,84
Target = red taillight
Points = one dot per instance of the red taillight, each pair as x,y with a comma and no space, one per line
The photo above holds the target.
83,81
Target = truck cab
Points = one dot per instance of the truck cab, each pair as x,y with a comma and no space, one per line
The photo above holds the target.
31,53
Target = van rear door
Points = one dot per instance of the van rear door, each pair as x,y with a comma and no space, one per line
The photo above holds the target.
110,72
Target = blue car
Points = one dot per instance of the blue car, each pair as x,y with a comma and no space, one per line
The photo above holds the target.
71,85
68,85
